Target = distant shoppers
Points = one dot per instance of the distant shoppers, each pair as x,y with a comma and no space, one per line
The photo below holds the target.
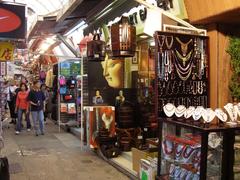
46,94
11,99
36,98
22,107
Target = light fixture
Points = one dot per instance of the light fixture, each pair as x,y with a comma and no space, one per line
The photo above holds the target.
143,36
81,25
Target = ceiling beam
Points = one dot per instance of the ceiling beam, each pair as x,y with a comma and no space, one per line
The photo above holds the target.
68,9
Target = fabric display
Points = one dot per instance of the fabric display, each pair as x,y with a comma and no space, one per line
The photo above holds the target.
96,49
99,119
63,108
71,108
49,79
186,152
148,169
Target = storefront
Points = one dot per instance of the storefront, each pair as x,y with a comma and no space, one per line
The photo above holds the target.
138,82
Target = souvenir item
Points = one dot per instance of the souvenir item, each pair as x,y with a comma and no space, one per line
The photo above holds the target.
123,38
189,112
177,172
63,107
179,148
221,115
63,90
169,109
183,173
96,49
189,175
188,153
62,81
71,108
197,114
214,140
208,115
171,170
168,148
180,111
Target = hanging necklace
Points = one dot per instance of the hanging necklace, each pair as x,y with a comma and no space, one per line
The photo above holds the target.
178,150
187,152
168,147
160,39
171,170
221,115
189,112
177,172
184,58
184,46
169,109
183,173
180,110
189,175
184,78
169,45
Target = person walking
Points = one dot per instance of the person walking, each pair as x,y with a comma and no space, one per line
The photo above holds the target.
22,107
36,99
11,99
46,94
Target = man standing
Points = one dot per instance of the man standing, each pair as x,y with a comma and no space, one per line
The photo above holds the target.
36,98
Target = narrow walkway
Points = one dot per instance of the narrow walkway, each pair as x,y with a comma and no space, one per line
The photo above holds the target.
54,156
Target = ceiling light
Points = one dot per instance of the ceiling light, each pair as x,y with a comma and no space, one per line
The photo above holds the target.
143,36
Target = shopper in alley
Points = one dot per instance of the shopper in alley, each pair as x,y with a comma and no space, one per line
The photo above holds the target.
11,99
36,98
22,107
46,94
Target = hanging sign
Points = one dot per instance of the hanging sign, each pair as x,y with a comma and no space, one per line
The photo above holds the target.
12,21
6,51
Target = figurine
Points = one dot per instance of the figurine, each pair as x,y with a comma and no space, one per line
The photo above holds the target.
98,98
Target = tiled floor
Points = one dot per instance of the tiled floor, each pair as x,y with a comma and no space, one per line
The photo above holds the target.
54,156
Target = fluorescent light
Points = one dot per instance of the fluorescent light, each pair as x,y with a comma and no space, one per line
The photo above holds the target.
81,25
104,13
143,36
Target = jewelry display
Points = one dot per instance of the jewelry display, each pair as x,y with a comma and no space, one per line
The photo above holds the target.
168,147
169,109
208,115
160,40
214,140
197,114
179,150
169,45
189,112
188,153
184,46
180,110
183,173
171,170
222,116
232,112
177,172
196,177
184,59
189,175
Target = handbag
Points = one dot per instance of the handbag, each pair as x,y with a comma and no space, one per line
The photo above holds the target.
4,169
63,90
62,81
68,97
96,49
123,38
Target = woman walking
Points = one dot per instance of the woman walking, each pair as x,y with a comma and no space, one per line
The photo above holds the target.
22,107
36,99
11,99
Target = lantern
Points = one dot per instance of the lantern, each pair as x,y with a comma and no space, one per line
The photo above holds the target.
123,38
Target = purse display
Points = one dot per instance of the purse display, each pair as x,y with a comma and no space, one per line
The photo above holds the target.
63,90
123,38
96,49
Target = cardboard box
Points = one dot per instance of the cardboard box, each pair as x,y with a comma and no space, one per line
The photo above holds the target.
137,155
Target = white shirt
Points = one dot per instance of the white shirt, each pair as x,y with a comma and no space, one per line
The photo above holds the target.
10,88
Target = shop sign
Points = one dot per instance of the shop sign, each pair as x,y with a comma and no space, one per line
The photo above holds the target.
6,51
12,21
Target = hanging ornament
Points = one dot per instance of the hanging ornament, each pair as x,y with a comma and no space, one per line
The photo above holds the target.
96,49
123,38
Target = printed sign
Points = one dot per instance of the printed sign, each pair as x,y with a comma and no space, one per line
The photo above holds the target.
6,51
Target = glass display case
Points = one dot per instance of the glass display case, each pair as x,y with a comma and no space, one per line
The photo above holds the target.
190,150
